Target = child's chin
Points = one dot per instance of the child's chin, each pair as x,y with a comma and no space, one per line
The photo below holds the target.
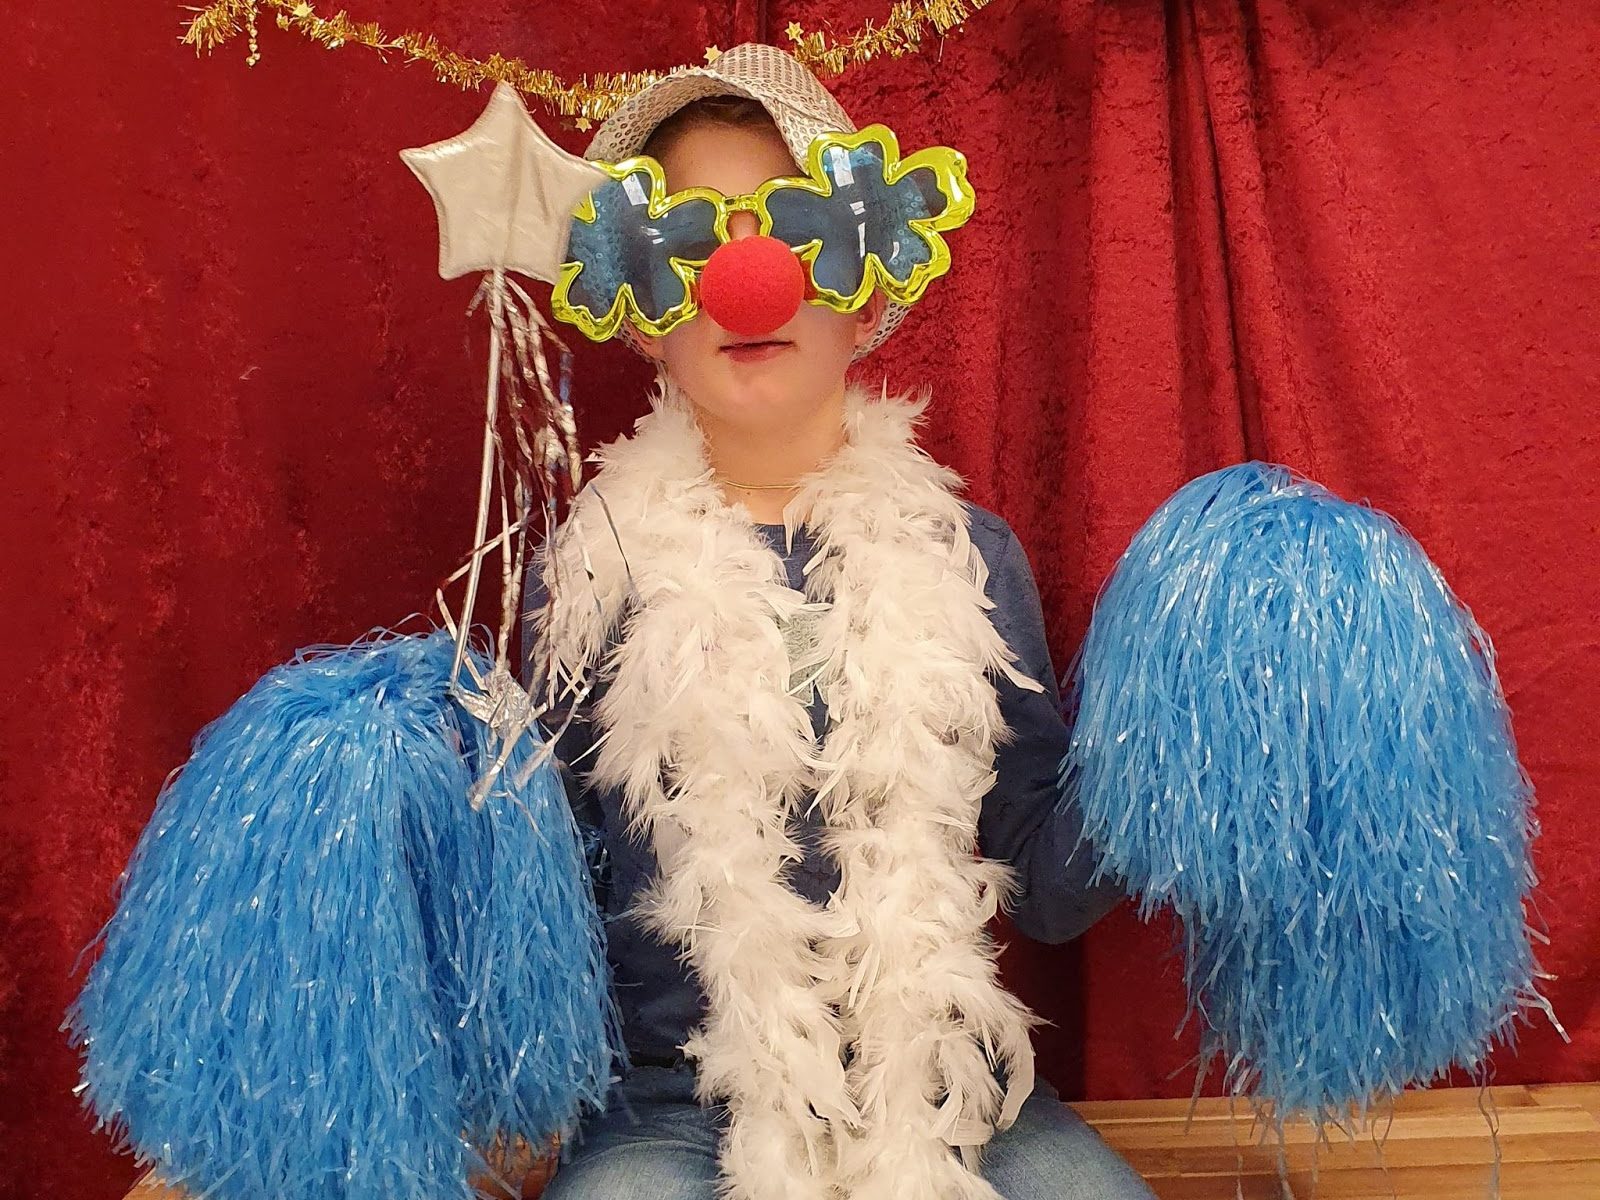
759,399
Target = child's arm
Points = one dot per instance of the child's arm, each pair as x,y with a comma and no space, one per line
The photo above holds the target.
1022,821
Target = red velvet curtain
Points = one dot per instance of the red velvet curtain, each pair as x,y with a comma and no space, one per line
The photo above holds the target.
1355,236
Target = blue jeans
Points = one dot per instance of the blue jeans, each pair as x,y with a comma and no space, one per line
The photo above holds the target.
657,1143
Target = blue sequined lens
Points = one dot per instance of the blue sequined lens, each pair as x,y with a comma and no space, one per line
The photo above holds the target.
863,215
626,245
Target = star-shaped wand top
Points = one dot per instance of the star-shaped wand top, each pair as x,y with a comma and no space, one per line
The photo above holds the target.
504,192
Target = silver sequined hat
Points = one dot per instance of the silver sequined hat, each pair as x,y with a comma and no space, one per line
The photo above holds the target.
798,104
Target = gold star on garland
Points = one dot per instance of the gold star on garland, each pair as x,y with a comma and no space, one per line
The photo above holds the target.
593,97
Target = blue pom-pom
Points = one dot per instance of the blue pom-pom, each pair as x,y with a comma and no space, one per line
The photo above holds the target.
328,975
1290,730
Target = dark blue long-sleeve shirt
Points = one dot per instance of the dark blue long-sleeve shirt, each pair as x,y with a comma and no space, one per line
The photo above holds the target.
1020,821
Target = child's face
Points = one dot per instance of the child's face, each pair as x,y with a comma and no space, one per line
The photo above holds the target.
775,390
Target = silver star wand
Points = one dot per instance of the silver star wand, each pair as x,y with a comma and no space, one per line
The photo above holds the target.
504,193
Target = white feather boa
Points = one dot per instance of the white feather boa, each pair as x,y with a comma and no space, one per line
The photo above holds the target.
854,1043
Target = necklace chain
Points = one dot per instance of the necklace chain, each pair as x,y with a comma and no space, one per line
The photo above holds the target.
760,487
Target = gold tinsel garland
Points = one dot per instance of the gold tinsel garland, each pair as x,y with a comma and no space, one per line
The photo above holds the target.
589,98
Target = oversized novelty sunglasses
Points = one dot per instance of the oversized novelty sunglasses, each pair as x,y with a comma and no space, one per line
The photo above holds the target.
860,218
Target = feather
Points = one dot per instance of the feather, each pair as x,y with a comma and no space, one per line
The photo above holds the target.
1290,730
327,975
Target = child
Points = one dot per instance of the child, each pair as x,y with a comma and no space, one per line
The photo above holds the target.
822,682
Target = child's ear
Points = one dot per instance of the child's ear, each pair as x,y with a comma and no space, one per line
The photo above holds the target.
649,346
869,316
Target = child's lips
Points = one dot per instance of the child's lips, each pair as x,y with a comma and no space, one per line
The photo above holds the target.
755,351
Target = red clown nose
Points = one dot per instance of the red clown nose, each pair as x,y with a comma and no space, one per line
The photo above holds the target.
752,286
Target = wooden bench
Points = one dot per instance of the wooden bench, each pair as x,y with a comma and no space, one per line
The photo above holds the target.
516,1163
1438,1147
